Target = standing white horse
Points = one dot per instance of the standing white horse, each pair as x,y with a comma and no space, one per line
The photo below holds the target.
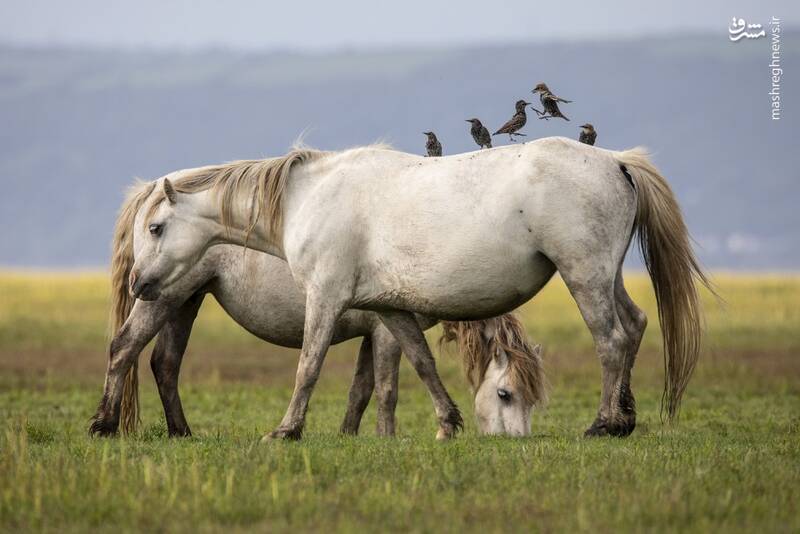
467,236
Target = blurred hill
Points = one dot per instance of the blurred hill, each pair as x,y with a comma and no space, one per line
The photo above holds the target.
79,124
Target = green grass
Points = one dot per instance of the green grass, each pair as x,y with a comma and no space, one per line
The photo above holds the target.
731,464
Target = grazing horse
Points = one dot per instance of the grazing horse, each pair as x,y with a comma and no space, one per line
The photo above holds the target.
461,237
258,292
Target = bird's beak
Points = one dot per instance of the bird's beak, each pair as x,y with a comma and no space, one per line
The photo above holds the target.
467,120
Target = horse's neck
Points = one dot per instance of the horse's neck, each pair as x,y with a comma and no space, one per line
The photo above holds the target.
238,231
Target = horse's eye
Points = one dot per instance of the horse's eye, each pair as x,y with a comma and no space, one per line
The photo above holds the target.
504,395
155,229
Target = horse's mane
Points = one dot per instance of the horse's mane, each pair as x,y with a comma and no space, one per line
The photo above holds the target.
262,182
477,350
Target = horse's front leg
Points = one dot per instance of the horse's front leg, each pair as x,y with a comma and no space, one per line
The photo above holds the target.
405,328
141,326
166,363
361,388
320,321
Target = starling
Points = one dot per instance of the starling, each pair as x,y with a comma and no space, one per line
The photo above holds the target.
433,146
480,134
588,134
549,103
516,123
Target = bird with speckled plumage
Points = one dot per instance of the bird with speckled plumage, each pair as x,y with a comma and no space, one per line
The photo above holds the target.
588,134
549,103
480,134
433,146
515,124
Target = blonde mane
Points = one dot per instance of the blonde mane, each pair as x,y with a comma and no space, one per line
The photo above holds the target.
263,180
524,363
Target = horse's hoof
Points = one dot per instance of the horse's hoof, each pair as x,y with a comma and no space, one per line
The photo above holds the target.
284,433
625,427
102,428
598,429
450,424
445,433
618,428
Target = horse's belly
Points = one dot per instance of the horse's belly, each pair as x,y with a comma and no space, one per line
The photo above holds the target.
258,292
463,294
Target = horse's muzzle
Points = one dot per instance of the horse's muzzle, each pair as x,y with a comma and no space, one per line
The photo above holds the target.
144,289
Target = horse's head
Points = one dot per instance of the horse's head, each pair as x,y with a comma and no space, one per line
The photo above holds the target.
501,403
169,237
505,372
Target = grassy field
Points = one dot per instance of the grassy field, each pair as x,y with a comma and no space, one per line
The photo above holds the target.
731,464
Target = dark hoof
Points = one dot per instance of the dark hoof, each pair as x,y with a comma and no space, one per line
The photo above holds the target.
181,433
598,429
626,429
348,430
619,429
450,424
284,433
102,428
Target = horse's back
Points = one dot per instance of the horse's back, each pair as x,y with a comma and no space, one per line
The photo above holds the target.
461,236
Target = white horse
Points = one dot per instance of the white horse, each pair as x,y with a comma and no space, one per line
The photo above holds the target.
467,236
258,292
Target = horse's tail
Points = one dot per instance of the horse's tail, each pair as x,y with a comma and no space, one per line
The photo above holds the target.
479,341
121,299
674,271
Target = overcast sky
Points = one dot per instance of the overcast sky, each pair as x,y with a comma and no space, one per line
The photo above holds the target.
337,24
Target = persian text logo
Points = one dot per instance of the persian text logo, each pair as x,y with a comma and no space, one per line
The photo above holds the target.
739,29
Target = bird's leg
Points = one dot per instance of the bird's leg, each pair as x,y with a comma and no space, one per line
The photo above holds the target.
537,111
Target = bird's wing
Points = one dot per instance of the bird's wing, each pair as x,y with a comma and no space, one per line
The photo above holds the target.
511,126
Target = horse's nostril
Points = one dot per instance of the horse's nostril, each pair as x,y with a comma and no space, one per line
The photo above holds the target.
140,288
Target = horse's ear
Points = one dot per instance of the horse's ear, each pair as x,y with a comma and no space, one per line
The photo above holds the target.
537,350
169,191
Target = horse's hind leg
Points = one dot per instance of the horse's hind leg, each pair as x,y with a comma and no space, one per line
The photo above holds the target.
405,328
166,363
143,323
592,287
634,321
387,353
360,389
